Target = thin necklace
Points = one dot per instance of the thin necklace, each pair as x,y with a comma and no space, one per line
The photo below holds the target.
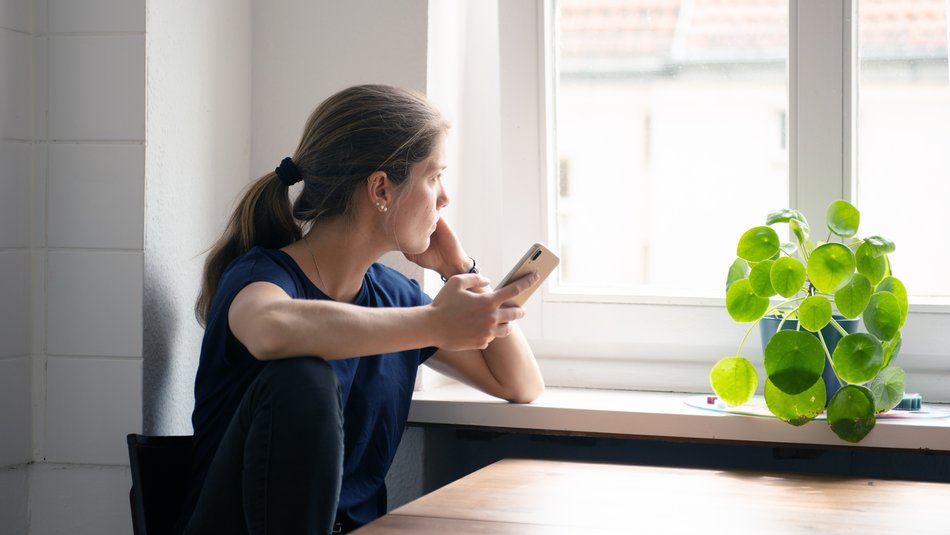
306,239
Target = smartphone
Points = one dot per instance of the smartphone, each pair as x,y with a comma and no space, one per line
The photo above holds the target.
537,258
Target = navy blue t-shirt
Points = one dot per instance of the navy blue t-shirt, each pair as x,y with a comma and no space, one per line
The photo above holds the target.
375,390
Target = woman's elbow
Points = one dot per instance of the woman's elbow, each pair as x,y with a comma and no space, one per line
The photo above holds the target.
265,341
526,394
265,348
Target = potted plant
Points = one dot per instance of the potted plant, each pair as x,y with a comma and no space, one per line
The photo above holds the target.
822,285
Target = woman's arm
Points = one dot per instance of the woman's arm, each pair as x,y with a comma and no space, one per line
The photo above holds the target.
505,369
272,325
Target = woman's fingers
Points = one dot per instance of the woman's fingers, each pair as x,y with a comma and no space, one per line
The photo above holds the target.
507,314
474,315
469,281
515,287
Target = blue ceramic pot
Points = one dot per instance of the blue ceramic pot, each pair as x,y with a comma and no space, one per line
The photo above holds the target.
769,325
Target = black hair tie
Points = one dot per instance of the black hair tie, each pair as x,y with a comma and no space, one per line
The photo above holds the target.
288,172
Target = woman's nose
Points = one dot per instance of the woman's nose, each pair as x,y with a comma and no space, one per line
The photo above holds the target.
443,199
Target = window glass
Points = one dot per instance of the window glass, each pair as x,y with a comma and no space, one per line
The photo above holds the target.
903,142
671,139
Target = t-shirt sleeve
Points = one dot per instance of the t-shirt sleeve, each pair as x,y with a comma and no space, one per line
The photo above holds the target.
253,268
247,269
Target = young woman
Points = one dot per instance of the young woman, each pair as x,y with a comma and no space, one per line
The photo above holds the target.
311,348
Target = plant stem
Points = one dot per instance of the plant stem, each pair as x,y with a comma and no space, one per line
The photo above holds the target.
780,305
839,328
756,322
785,317
748,331
828,356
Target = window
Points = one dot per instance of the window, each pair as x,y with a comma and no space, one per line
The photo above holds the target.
903,134
672,122
665,130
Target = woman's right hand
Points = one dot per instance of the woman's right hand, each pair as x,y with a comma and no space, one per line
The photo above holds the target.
469,315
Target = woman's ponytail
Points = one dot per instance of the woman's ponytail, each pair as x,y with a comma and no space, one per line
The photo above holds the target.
263,217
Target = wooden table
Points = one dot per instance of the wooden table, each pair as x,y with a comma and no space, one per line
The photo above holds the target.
527,497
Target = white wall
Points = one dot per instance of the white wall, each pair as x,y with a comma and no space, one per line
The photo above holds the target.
197,160
16,258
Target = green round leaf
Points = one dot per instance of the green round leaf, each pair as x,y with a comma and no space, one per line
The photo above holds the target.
830,266
794,361
854,296
800,228
759,279
869,264
887,388
892,348
742,303
858,357
797,409
880,245
787,276
896,287
738,270
814,313
758,244
734,380
843,219
851,413
882,317
784,216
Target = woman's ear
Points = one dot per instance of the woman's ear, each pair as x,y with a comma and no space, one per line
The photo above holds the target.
380,190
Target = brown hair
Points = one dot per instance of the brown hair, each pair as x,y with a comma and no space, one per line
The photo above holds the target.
352,134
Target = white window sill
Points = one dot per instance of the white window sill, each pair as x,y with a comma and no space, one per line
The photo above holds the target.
652,415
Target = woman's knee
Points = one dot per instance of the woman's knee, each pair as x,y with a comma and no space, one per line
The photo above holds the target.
304,380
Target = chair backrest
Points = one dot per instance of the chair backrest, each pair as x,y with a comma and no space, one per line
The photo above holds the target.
161,467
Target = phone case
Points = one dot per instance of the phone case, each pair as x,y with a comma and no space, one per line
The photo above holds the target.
537,258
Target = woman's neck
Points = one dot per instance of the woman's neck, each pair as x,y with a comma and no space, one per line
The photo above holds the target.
335,255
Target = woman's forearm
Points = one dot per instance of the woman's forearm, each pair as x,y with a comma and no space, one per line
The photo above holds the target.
513,365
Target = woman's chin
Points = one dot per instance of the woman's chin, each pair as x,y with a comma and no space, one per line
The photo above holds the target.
417,248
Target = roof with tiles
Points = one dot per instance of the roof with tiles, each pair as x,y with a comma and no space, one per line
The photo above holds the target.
684,31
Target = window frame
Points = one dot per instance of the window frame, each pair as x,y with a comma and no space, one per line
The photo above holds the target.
669,342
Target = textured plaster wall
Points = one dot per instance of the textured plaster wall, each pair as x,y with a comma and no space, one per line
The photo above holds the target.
197,160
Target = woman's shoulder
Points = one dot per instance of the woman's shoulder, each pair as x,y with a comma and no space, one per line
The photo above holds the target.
256,258
262,264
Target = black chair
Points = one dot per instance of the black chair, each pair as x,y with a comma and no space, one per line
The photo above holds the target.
160,470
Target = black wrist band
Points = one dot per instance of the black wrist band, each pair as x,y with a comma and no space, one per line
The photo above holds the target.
473,270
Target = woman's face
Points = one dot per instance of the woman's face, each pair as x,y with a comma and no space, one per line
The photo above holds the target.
424,196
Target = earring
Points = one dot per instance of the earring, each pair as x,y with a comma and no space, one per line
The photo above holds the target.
382,207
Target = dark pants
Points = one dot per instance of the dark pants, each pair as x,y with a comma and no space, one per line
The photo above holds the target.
279,466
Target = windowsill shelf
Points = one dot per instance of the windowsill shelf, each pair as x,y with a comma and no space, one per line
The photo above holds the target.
653,415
